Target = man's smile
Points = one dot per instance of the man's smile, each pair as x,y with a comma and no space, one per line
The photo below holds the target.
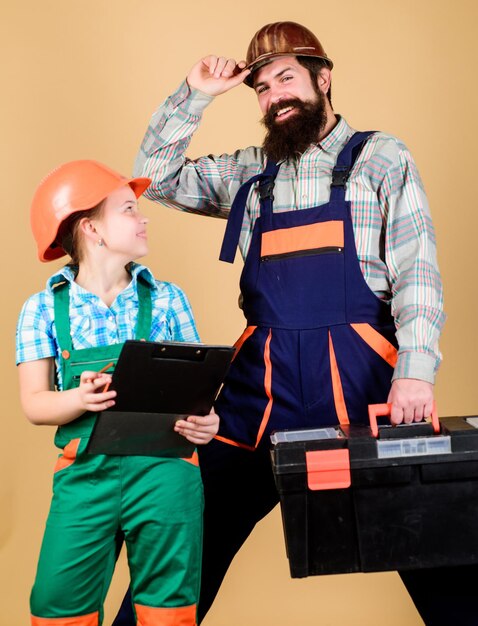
284,112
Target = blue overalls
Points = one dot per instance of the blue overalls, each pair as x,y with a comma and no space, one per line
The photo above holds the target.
319,345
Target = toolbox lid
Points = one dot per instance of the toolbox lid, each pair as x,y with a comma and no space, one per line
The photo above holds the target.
456,443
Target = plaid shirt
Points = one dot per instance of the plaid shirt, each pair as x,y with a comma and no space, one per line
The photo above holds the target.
393,230
94,324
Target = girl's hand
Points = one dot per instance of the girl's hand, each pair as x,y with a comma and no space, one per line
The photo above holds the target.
198,429
92,394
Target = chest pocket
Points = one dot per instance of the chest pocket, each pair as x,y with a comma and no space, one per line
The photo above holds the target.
299,241
94,359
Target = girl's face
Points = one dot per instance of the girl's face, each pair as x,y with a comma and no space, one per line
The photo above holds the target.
121,226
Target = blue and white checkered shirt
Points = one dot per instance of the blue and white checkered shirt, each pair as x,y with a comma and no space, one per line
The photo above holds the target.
94,324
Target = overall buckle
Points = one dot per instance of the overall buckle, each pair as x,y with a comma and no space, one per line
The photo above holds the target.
340,175
266,188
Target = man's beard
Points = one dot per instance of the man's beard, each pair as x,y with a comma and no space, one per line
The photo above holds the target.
293,136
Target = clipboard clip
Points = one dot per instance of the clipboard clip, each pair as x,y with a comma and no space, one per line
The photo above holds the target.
180,352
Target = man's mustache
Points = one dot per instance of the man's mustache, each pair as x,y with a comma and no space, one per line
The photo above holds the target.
270,116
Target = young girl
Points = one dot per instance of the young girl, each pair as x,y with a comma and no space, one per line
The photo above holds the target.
68,333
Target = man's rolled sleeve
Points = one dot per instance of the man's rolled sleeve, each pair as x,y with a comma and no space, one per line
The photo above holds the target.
178,182
410,251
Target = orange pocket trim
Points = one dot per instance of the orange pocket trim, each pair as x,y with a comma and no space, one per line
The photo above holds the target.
267,411
377,342
339,399
321,235
245,335
231,442
194,459
152,616
92,619
69,455
238,345
267,388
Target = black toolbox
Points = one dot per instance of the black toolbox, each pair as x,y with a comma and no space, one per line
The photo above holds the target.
359,499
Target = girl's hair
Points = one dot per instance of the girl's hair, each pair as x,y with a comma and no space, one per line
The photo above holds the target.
69,234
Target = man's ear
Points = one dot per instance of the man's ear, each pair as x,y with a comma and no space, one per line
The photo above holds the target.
324,78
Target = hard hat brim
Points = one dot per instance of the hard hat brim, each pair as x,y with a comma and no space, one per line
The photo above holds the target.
268,58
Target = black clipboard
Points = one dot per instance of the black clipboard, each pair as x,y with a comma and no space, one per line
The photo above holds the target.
157,384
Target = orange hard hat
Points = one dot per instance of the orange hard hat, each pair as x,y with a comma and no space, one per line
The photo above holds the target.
282,39
72,187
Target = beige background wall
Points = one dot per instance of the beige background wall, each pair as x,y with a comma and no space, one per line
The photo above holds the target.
80,80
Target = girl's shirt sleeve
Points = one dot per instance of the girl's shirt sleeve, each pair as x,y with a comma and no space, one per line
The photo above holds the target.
34,335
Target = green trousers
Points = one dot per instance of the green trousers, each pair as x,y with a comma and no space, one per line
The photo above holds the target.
156,502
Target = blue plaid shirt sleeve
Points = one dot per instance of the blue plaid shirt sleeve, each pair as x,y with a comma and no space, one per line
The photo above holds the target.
34,335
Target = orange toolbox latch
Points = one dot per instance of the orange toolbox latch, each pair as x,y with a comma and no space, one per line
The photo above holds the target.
328,469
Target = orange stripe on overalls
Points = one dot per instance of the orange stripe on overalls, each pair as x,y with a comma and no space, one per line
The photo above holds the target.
92,619
339,399
377,342
165,616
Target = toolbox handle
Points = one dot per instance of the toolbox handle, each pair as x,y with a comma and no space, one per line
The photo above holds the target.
375,410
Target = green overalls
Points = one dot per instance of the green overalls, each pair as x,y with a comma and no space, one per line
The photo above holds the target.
156,502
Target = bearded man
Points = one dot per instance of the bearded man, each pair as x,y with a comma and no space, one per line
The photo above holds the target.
340,288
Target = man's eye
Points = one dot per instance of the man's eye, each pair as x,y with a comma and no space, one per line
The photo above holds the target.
285,78
261,89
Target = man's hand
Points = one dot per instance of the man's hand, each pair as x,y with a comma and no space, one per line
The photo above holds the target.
198,429
411,400
216,75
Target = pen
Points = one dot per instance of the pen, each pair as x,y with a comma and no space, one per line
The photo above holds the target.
101,371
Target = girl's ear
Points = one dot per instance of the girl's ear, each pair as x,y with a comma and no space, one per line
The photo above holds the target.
88,229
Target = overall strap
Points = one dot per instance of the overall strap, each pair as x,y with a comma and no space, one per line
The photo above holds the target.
236,214
61,296
345,162
145,311
61,300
